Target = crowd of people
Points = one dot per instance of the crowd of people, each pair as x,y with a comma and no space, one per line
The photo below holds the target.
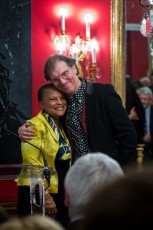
89,139
139,105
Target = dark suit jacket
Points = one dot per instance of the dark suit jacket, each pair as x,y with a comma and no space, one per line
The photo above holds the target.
76,225
109,128
151,121
149,147
133,100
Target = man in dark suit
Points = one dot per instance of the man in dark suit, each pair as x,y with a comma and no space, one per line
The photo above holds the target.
146,98
96,118
135,110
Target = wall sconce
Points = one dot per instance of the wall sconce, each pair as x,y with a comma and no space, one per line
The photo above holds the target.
146,27
81,50
146,3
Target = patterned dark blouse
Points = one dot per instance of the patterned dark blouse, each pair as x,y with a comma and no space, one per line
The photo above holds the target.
74,122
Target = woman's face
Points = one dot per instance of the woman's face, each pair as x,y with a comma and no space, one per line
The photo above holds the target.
53,103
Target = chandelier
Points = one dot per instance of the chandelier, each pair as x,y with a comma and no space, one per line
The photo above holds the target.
146,26
78,48
146,3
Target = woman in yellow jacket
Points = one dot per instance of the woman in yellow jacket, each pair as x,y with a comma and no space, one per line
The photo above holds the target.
50,142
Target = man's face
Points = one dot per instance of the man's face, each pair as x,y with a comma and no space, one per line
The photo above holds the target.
65,78
146,100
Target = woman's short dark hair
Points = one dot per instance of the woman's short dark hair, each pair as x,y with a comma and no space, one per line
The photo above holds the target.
43,88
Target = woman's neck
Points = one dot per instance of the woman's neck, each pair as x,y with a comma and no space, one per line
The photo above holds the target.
57,123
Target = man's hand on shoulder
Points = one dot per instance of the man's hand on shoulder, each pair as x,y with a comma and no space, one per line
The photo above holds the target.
25,133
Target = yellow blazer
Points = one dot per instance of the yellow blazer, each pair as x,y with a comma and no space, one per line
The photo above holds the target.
46,140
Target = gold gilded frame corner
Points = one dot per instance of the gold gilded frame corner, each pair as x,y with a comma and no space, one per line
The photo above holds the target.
118,47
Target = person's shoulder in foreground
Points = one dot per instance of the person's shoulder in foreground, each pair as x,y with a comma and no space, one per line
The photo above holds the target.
32,222
124,204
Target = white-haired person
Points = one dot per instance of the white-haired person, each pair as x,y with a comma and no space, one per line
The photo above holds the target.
146,98
123,204
83,178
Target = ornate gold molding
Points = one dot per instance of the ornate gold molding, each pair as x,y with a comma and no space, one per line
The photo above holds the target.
118,46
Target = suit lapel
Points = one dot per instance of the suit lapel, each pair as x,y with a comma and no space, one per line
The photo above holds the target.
89,102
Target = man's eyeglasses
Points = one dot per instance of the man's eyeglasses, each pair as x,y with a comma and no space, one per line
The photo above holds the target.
64,75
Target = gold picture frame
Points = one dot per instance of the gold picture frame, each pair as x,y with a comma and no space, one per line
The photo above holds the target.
118,46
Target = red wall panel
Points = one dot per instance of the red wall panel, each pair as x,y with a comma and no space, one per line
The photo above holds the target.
137,52
8,190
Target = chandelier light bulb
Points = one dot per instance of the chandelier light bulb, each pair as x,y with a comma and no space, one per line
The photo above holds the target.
63,12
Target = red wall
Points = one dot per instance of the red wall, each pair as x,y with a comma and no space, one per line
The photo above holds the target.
8,190
137,64
46,24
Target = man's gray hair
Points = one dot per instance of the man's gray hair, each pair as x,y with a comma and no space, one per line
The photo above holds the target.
145,90
85,175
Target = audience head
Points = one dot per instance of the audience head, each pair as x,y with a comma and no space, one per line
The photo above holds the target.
145,95
145,81
126,203
33,222
85,176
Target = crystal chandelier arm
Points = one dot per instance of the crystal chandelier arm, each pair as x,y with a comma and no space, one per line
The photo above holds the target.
146,3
